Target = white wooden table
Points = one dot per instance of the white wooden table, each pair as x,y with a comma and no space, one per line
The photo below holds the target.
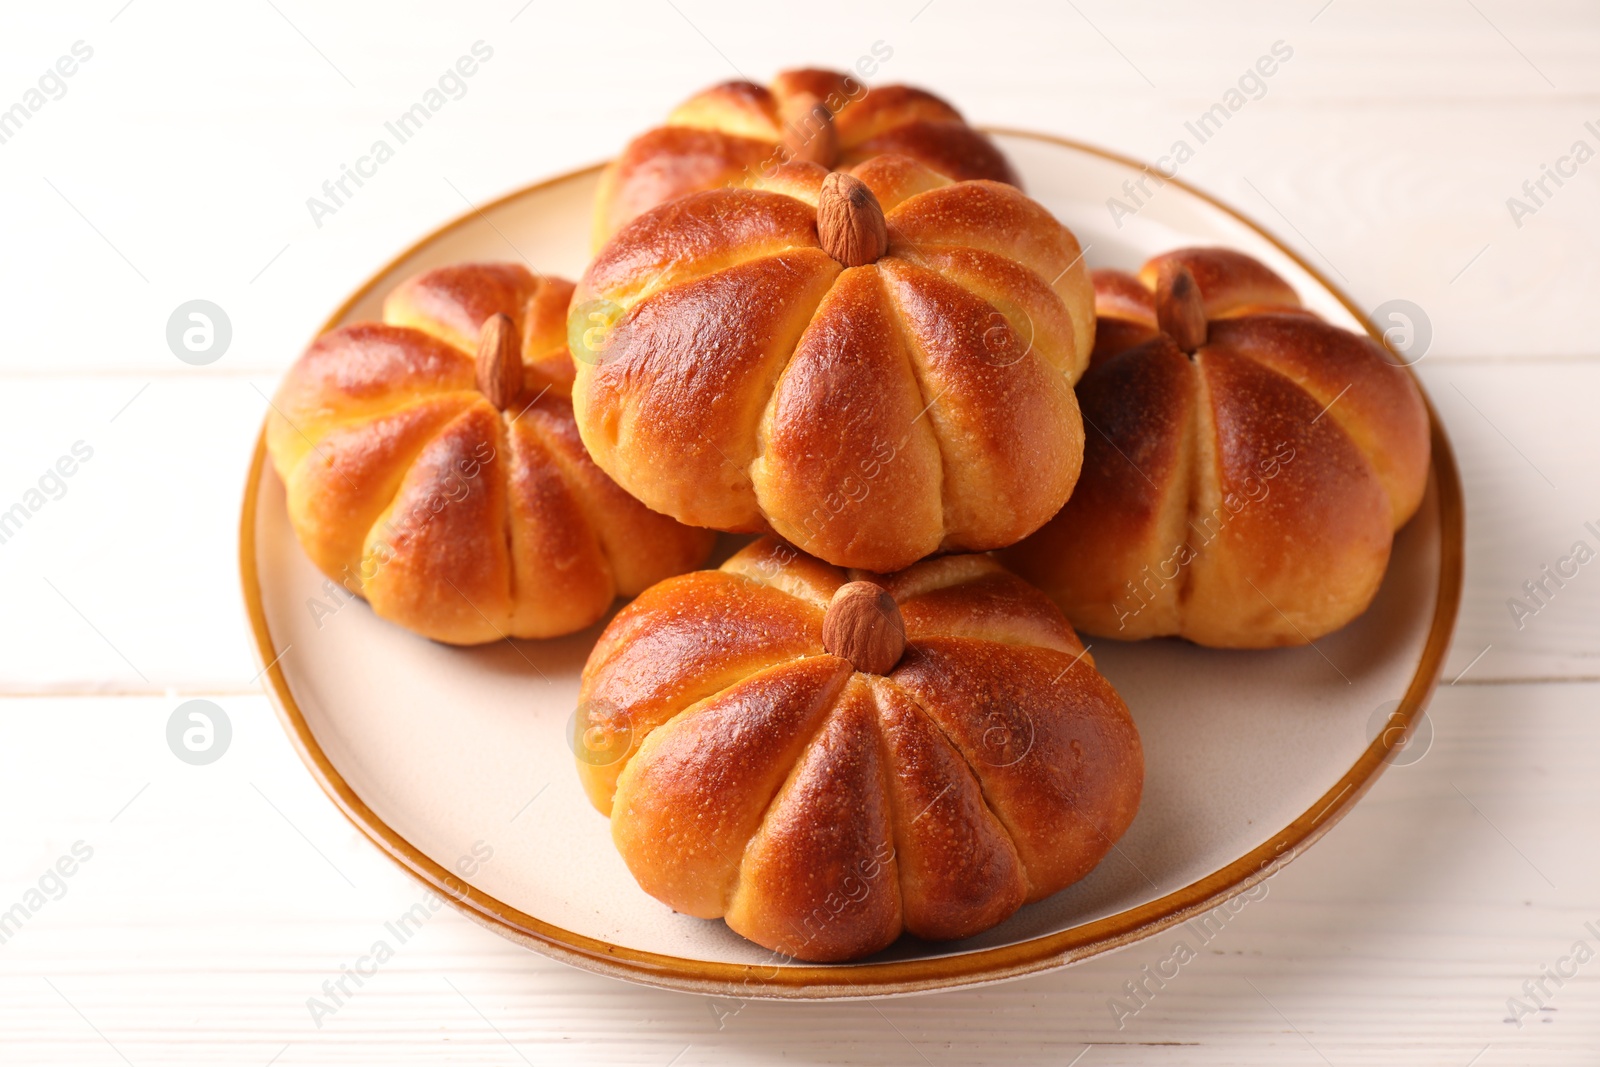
175,163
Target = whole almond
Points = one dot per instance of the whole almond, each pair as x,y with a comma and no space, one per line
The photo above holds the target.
499,363
863,625
850,221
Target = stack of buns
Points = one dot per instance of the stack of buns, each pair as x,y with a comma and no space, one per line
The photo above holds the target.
830,317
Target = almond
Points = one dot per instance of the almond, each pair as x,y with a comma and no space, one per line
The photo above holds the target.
850,221
863,625
1180,309
499,364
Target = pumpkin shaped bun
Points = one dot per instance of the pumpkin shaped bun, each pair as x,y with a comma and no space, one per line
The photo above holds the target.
434,468
1246,468
826,759
731,133
874,365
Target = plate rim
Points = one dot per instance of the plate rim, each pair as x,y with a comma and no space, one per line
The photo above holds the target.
895,977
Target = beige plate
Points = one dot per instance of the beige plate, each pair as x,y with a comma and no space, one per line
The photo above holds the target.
430,749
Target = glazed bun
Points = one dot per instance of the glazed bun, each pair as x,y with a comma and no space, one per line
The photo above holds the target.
433,465
1246,467
826,759
875,366
738,131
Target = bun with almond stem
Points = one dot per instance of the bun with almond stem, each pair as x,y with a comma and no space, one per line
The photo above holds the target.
874,365
828,759
1246,465
738,131
433,465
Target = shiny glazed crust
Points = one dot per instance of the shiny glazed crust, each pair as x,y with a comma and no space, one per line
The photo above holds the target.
731,133
1244,496
871,415
453,519
752,776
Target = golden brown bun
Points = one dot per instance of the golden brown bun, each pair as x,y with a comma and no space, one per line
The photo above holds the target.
870,415
454,519
1244,496
752,775
732,133
452,302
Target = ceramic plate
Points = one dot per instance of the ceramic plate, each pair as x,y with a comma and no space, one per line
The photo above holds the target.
433,750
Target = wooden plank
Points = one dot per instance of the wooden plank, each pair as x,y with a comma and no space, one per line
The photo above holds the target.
124,578
1390,142
178,164
130,579
1531,494
212,910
